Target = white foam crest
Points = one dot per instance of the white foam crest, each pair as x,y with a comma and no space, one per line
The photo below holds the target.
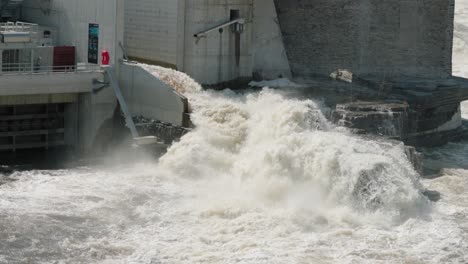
263,178
464,109
460,40
263,149
181,82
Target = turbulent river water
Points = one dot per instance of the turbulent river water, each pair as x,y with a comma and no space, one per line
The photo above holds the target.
264,178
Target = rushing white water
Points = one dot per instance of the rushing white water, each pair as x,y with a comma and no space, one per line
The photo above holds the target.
264,178
460,45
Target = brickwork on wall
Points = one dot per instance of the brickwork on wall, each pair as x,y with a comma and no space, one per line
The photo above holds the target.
383,37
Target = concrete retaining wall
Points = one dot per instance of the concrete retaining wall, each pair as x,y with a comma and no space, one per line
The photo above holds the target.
148,96
270,60
151,30
47,83
161,32
211,60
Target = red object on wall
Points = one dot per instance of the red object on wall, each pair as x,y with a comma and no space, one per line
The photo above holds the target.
64,58
105,57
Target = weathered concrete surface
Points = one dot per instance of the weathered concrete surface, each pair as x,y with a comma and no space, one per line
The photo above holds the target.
150,97
270,60
397,120
72,19
212,59
387,38
388,119
432,117
153,29
47,83
161,32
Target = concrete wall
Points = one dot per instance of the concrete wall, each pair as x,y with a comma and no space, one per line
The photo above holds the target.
152,30
148,96
72,19
270,60
95,114
211,59
386,37
47,83
161,32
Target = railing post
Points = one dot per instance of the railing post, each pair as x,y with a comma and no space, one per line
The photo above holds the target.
32,60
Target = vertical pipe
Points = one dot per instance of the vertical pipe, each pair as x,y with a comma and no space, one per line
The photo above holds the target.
220,59
32,60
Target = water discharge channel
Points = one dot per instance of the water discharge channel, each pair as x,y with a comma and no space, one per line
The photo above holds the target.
264,178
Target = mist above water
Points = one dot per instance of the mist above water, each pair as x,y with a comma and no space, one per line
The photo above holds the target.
263,178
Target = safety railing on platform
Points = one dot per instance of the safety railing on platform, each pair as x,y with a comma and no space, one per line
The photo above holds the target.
28,68
21,27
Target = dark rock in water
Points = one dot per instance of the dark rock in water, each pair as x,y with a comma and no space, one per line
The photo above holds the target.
434,196
5,170
383,118
166,132
414,125
416,158
366,190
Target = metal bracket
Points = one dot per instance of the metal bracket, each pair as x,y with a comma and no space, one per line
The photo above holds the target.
239,21
100,88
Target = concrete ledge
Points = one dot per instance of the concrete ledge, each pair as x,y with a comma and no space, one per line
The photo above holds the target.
150,97
50,83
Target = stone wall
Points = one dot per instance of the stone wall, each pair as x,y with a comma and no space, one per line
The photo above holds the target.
384,37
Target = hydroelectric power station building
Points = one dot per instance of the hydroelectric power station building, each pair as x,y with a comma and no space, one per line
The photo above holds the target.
386,66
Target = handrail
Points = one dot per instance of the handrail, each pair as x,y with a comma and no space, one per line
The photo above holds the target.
21,27
235,21
28,68
18,26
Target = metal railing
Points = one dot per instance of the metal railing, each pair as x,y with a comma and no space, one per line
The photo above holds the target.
18,27
28,68
239,21
21,27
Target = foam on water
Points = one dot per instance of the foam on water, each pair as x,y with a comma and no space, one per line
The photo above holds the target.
460,45
262,179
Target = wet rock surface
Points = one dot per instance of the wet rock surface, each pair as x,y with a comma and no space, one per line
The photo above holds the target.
5,173
382,118
419,127
166,132
434,196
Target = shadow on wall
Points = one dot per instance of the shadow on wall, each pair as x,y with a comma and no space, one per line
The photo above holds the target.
368,37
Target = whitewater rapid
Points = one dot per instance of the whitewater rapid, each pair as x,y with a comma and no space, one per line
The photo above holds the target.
264,178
